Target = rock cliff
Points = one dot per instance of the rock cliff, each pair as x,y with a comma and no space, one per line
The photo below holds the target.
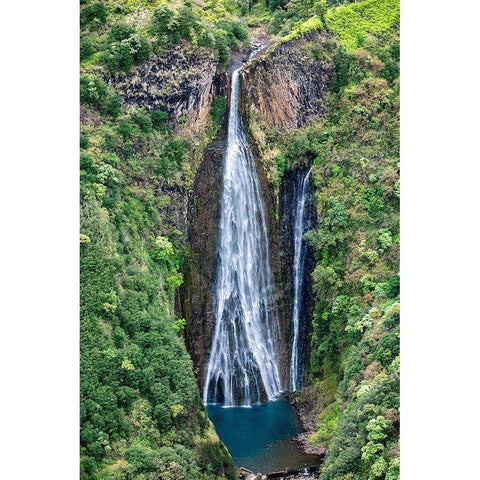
203,214
282,89
285,87
180,82
287,211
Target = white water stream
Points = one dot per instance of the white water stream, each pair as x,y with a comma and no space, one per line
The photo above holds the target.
243,366
298,271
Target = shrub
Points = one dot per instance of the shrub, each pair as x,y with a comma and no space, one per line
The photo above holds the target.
141,118
93,15
393,286
221,45
327,424
341,71
86,48
301,27
163,251
95,93
385,239
235,31
217,113
281,164
174,152
159,119
187,23
337,217
393,470
276,4
142,459
125,49
169,27
205,38
84,143
161,28
387,349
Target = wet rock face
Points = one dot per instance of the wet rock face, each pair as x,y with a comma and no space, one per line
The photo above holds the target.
285,88
179,82
203,215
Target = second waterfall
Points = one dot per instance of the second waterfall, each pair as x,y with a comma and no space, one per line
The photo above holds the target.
243,366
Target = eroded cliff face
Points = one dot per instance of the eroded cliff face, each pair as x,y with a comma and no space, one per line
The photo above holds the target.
281,89
285,86
180,82
184,82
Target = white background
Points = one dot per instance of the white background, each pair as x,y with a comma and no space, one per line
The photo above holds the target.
39,240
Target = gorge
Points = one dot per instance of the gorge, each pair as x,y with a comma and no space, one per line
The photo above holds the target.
239,239
242,368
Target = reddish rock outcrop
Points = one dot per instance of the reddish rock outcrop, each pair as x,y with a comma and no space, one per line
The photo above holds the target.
285,87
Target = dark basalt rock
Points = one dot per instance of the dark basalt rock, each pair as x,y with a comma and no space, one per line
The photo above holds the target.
203,215
179,82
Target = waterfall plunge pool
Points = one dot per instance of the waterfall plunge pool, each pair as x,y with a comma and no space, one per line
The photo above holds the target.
261,438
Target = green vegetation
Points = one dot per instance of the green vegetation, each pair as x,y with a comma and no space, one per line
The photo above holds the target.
141,414
355,22
118,36
217,113
290,19
301,27
95,93
125,48
355,330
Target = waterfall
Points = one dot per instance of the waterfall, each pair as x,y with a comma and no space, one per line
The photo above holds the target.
298,270
242,368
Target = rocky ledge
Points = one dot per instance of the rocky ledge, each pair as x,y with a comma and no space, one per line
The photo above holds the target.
306,474
285,87
305,411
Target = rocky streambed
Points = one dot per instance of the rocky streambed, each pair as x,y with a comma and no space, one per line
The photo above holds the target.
306,474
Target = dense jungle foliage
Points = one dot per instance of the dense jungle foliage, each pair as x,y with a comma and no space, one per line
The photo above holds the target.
354,148
141,413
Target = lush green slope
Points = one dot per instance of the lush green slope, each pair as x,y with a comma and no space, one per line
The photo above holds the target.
354,147
141,414
119,35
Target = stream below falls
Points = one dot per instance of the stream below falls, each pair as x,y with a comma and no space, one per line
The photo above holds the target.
261,438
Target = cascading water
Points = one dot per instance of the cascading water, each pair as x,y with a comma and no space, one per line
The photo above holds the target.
242,368
298,271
